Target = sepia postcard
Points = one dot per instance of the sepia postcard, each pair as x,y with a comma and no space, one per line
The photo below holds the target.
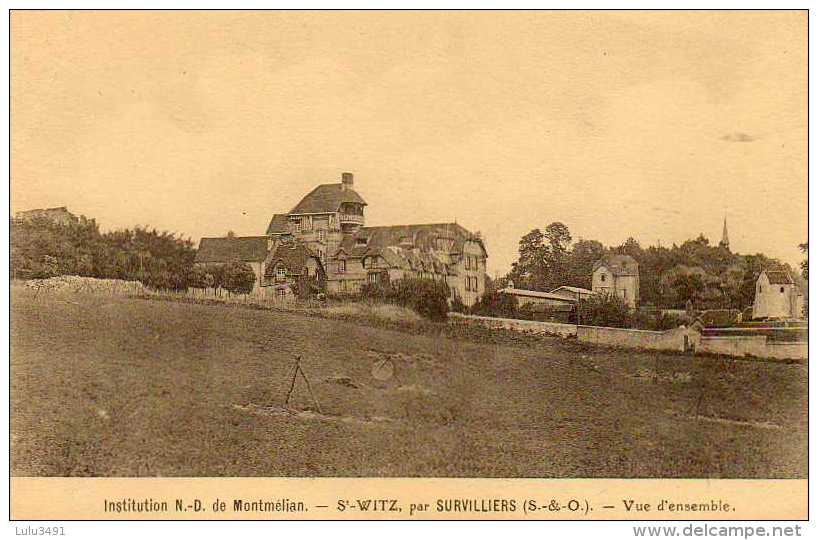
408,265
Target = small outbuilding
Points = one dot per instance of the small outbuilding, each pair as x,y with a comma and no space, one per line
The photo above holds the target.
778,296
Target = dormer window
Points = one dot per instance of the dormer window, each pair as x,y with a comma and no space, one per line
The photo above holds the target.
342,266
281,273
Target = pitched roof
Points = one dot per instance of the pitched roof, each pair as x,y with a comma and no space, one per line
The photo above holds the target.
240,248
293,254
278,224
779,277
326,198
421,236
619,265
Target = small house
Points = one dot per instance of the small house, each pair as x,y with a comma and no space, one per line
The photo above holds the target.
617,275
777,296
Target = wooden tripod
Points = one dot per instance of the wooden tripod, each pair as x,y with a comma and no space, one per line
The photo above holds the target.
296,370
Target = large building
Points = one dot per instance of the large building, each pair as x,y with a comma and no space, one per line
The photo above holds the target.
777,296
617,275
283,268
329,222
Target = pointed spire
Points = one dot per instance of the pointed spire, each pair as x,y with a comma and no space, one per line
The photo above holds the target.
725,239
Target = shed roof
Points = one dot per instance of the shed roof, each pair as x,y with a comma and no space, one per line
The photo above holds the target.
235,248
572,291
537,294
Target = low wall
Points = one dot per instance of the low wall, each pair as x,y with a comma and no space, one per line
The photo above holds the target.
518,325
669,340
758,346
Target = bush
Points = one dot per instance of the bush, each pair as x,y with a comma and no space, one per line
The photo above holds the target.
457,305
657,320
238,277
496,304
381,292
605,310
427,297
200,278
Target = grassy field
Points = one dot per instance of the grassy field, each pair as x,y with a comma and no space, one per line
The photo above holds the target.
104,386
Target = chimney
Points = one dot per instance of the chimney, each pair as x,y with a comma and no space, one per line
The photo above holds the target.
346,181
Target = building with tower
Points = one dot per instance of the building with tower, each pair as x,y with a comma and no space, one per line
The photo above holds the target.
329,223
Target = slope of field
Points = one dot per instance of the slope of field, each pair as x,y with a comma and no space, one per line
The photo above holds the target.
105,386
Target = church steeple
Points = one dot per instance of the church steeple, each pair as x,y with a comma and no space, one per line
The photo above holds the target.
725,239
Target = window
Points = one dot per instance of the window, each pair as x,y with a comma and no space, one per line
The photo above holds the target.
281,273
342,266
322,235
468,283
281,293
373,277
602,277
297,224
782,290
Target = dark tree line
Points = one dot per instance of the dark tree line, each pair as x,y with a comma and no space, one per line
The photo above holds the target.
42,248
695,272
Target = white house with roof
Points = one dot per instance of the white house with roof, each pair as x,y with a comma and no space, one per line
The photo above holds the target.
777,296
617,275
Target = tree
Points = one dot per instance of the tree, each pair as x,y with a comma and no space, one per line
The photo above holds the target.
558,239
239,277
530,265
584,254
805,263
604,310
496,304
688,288
631,247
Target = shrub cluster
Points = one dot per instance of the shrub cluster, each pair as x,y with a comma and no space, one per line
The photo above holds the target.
236,277
42,248
427,297
497,304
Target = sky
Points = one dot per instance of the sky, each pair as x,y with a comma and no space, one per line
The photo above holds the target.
651,125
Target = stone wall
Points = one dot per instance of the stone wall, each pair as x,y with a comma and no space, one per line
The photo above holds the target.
759,346
518,325
677,339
